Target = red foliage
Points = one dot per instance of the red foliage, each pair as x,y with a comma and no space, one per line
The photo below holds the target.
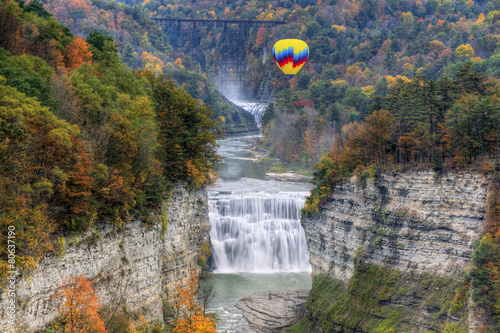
303,103
261,36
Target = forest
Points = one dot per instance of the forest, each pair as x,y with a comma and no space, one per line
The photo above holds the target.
86,141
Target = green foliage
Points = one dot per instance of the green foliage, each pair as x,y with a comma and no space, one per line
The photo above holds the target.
458,305
368,302
485,257
28,74
36,7
61,242
187,133
103,47
169,311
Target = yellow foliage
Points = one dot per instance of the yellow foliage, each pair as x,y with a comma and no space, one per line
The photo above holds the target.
480,19
338,82
437,46
408,16
465,51
152,63
393,80
368,90
339,28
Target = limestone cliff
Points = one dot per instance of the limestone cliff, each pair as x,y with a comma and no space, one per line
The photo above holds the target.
398,231
135,268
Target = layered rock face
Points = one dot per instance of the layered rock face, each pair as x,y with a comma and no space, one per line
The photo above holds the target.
390,254
135,269
413,221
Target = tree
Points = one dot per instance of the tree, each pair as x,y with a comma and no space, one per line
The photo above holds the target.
10,18
79,312
469,79
103,48
378,134
77,53
187,134
190,316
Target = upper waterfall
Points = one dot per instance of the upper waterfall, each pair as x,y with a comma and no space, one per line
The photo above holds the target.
257,109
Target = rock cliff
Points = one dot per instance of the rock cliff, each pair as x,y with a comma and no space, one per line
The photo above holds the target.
136,268
414,227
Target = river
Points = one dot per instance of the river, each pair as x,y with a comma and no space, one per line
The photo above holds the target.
258,243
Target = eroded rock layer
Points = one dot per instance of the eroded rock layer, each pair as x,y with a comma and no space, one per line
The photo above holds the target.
135,269
410,221
390,254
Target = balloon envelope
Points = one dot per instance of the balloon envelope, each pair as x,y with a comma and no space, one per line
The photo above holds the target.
290,55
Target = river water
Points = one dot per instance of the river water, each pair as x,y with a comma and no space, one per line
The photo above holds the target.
258,243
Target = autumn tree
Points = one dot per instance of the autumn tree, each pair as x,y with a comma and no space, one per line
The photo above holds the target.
77,53
191,317
79,311
378,135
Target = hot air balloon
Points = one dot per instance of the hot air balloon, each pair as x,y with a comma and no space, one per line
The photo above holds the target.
290,55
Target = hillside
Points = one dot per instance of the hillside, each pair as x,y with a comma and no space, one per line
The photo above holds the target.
86,141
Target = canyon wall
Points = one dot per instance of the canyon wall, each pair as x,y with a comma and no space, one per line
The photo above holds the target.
137,268
417,226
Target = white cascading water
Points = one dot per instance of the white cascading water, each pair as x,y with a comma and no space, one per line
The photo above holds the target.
258,232
257,109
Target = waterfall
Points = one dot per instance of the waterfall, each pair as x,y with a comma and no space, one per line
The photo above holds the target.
258,232
257,109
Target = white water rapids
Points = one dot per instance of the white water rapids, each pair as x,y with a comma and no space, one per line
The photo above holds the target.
258,232
257,109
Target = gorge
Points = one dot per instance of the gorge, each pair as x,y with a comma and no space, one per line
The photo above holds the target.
386,252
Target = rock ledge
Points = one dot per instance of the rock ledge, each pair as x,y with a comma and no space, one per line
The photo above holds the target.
271,311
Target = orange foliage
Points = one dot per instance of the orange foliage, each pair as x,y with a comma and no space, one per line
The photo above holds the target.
76,191
261,36
191,318
77,53
178,63
378,133
79,311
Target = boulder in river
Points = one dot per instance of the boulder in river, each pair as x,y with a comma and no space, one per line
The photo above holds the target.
271,311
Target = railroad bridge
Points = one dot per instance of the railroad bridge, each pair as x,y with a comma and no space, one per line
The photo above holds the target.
233,64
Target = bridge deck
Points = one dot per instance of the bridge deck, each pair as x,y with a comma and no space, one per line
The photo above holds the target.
159,19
